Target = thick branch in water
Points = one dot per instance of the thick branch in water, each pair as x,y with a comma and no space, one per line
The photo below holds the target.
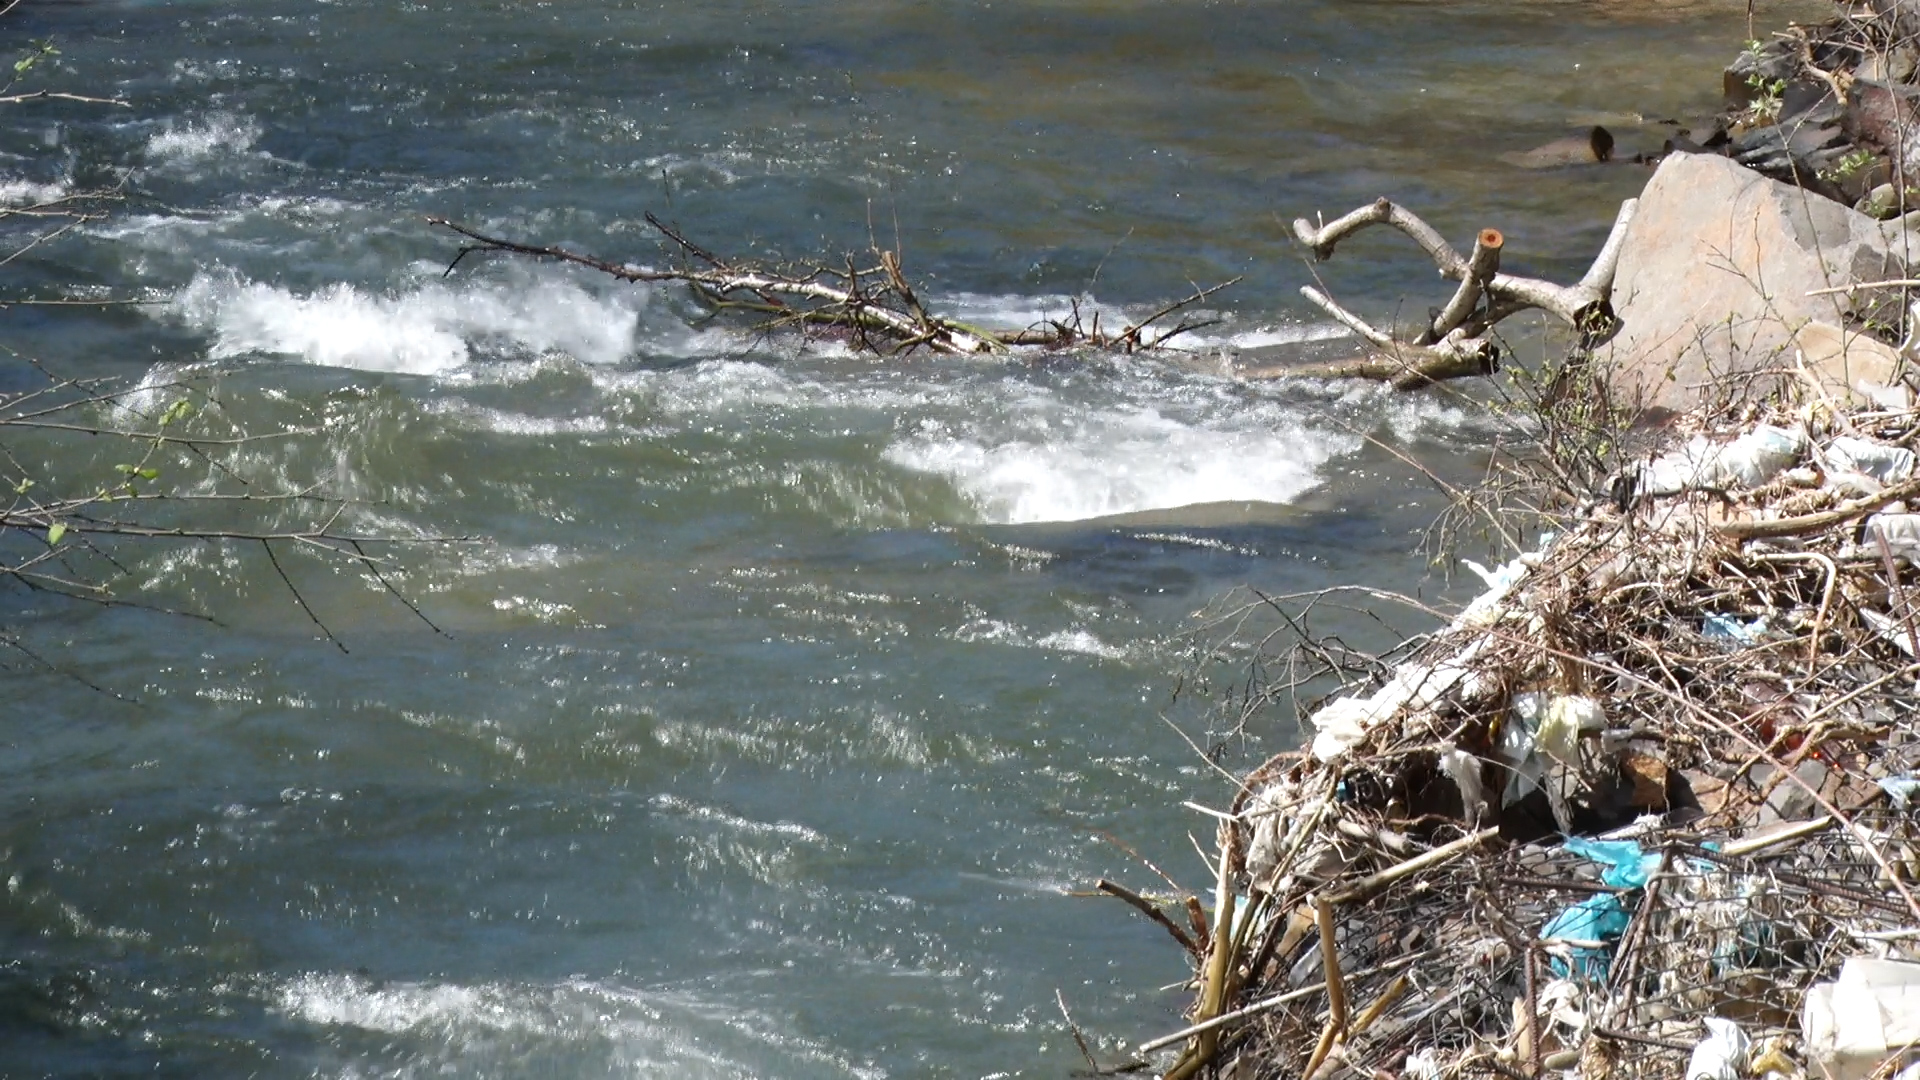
1454,343
1576,304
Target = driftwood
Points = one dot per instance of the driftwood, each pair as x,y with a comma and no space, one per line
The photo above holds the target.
873,305
1457,340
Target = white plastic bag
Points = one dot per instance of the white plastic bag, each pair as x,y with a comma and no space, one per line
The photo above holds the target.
1850,1026
1748,461
1722,1055
1543,727
1887,464
1900,531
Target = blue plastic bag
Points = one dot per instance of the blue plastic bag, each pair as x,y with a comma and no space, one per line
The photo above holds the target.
1599,919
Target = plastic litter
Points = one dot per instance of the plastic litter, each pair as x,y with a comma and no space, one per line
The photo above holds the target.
1900,531
1901,789
1590,928
1722,1055
1540,728
1464,770
1888,629
1341,725
1887,464
1772,1060
1747,461
1729,630
1627,866
1851,1026
1500,581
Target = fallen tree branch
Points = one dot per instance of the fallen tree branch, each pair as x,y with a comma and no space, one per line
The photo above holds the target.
1455,341
874,304
1806,523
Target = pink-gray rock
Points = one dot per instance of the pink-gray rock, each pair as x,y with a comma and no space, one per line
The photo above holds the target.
1721,270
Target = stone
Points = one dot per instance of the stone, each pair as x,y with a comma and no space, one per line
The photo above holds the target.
1790,801
1646,777
1852,368
1722,270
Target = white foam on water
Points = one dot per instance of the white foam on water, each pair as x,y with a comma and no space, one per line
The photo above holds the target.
1063,464
451,1027
433,327
1261,337
1022,445
1190,540
15,191
349,1001
222,133
1000,632
675,805
1083,642
501,422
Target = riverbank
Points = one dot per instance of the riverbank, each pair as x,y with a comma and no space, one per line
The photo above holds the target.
1642,808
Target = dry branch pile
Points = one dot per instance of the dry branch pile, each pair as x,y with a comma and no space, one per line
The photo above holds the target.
1715,671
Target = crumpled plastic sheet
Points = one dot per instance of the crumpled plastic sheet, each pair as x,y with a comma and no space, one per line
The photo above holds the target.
1748,461
1722,1055
1886,464
1595,924
1543,727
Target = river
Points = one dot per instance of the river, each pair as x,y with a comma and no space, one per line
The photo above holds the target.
790,693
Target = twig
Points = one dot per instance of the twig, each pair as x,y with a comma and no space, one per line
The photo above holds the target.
1373,883
267,546
1147,908
1861,286
1270,1003
1806,523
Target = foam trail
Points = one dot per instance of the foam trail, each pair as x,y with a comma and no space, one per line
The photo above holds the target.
17,192
1083,464
431,328
183,142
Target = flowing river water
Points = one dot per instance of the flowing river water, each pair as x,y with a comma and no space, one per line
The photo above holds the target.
791,692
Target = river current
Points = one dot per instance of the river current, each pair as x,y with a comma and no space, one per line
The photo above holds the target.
790,694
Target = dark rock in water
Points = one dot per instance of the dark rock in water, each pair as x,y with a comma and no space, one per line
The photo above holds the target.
1594,146
1901,18
1778,70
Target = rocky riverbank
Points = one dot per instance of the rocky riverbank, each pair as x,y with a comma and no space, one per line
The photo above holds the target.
1643,808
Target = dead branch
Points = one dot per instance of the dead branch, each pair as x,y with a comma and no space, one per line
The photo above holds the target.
1455,342
719,281
873,304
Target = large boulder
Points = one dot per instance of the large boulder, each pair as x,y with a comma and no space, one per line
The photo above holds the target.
1721,276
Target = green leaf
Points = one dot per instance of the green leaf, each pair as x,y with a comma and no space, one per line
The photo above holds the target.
176,412
55,531
21,487
148,473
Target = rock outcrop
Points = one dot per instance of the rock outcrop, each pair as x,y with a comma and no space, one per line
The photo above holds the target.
1721,290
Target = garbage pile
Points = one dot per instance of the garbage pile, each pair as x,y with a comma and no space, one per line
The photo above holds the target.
1647,807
